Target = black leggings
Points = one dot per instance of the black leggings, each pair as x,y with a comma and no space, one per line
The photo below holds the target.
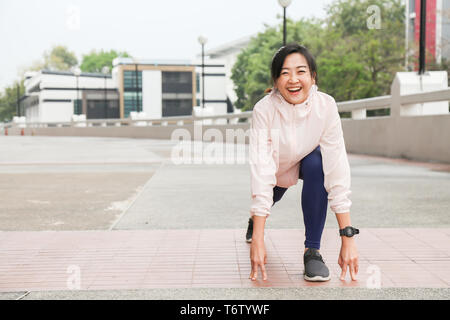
314,197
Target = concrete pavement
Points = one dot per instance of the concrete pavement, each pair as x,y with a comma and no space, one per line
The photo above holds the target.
153,194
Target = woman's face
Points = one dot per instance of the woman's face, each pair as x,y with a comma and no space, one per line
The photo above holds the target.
295,79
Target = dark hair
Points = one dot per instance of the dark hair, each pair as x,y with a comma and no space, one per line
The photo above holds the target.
283,52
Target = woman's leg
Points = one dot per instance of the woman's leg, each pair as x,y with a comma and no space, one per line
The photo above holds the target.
314,198
278,193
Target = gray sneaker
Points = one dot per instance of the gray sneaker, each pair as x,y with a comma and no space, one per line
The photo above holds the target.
315,268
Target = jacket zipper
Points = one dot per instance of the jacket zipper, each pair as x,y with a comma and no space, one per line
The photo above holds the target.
292,135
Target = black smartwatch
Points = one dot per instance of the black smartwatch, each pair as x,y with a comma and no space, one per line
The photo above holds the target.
348,231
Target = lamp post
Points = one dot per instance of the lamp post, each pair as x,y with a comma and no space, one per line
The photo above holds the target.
105,71
77,73
284,4
18,100
202,40
423,16
136,79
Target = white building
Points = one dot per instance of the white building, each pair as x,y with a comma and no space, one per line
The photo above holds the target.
54,96
228,53
154,88
164,88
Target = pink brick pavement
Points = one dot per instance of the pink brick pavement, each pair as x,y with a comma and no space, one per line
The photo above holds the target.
139,259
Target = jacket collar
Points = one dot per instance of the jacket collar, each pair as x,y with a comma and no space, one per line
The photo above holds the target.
301,109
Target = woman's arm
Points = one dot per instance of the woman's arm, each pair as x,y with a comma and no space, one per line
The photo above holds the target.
348,256
262,164
262,172
337,183
258,257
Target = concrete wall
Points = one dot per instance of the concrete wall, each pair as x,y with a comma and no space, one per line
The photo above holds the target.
422,138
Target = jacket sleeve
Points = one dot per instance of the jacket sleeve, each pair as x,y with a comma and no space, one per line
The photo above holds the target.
335,163
262,164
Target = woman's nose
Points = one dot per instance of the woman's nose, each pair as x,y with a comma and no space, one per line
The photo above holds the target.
293,78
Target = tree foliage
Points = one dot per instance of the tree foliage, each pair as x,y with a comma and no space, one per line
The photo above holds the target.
59,58
8,100
95,61
353,60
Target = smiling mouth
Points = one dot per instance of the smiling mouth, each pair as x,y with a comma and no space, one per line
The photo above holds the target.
294,90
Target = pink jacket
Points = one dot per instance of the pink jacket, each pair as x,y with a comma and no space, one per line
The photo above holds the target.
282,134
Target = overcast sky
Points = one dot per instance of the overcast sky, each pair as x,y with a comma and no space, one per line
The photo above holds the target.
144,28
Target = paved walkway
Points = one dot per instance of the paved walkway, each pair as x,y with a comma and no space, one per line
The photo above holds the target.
174,231
108,260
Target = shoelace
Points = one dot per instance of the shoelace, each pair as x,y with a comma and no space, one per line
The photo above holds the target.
312,256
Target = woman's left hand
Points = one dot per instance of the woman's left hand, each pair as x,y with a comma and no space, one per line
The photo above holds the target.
348,258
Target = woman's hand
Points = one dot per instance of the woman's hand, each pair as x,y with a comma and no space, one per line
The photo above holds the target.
348,257
258,258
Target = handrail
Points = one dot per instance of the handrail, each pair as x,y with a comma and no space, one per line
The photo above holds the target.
345,106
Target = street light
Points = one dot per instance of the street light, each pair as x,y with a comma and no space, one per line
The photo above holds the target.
105,71
422,34
202,40
77,72
18,100
284,4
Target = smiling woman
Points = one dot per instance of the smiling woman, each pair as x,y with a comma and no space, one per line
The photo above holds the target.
293,72
296,133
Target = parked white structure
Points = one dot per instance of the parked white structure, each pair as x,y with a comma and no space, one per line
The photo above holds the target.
154,88
228,53
52,96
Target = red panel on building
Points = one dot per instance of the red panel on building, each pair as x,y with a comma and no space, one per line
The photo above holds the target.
430,37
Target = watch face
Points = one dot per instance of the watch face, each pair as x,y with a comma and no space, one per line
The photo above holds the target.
348,232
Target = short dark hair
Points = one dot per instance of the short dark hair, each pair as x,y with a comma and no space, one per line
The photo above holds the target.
283,52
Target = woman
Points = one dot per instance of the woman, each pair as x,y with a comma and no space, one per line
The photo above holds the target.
296,133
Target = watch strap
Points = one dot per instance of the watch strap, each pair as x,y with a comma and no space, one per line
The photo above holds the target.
354,230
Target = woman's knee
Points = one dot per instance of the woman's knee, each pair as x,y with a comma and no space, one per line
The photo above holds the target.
312,162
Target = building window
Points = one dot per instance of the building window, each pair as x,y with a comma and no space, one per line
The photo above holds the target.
131,104
132,92
77,106
176,107
176,82
129,81
197,79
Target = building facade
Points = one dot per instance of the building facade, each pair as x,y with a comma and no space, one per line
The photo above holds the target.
228,53
54,96
437,38
156,88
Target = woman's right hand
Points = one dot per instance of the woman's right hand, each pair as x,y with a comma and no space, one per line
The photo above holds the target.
258,258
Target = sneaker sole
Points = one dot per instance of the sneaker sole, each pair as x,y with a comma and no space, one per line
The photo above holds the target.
317,278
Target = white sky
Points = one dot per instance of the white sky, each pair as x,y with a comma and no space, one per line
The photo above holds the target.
144,28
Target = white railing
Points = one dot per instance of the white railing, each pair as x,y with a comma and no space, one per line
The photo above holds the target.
166,121
356,107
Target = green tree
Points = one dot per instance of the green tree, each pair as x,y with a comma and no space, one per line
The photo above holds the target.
8,100
251,72
354,62
59,58
95,61
370,57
